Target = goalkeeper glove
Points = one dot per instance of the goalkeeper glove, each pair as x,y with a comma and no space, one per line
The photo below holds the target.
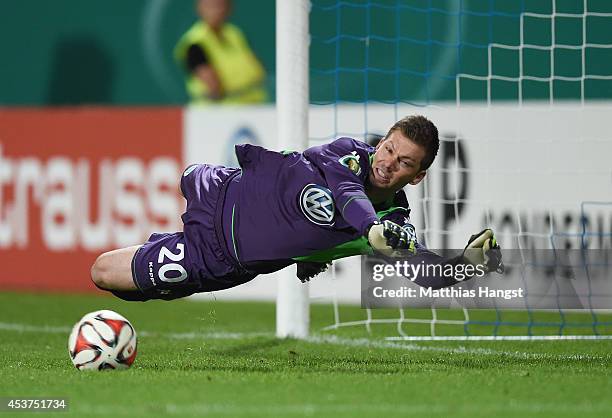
388,236
482,249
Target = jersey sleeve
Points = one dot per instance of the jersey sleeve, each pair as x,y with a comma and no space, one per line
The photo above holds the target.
360,246
345,165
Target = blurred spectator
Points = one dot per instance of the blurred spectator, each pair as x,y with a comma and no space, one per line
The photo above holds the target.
219,64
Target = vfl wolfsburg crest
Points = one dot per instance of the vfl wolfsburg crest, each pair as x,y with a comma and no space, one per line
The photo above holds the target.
352,162
317,204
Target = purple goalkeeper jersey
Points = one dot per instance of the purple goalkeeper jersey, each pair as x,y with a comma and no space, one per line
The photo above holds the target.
279,208
286,205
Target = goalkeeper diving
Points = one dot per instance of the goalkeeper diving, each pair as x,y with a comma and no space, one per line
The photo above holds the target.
310,208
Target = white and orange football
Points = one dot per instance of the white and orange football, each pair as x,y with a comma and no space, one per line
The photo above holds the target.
102,340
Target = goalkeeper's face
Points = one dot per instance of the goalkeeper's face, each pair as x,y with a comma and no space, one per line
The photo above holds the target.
397,162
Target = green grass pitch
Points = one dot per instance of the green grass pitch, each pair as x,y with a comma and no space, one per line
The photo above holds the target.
221,359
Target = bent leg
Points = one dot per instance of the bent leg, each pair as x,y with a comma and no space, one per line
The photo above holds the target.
158,269
113,270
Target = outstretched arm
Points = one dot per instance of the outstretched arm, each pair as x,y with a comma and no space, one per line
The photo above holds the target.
481,255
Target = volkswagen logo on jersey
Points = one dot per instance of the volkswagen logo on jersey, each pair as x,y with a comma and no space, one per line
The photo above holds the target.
317,204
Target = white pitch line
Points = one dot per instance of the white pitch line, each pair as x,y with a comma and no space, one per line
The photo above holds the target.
206,335
320,339
364,342
502,338
10,326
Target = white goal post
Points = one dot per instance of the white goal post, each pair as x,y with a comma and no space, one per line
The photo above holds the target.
292,97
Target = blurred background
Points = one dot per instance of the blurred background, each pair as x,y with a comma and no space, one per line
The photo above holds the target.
112,52
70,52
96,123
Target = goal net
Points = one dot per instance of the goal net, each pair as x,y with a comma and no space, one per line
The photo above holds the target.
521,93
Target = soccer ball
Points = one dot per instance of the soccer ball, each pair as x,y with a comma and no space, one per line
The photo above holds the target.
102,340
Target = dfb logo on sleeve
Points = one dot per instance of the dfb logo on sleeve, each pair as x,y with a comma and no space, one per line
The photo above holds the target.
351,161
317,204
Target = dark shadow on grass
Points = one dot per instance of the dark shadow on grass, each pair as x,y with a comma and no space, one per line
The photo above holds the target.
271,355
251,347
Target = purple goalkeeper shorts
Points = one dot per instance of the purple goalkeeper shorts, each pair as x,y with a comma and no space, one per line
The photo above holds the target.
174,265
